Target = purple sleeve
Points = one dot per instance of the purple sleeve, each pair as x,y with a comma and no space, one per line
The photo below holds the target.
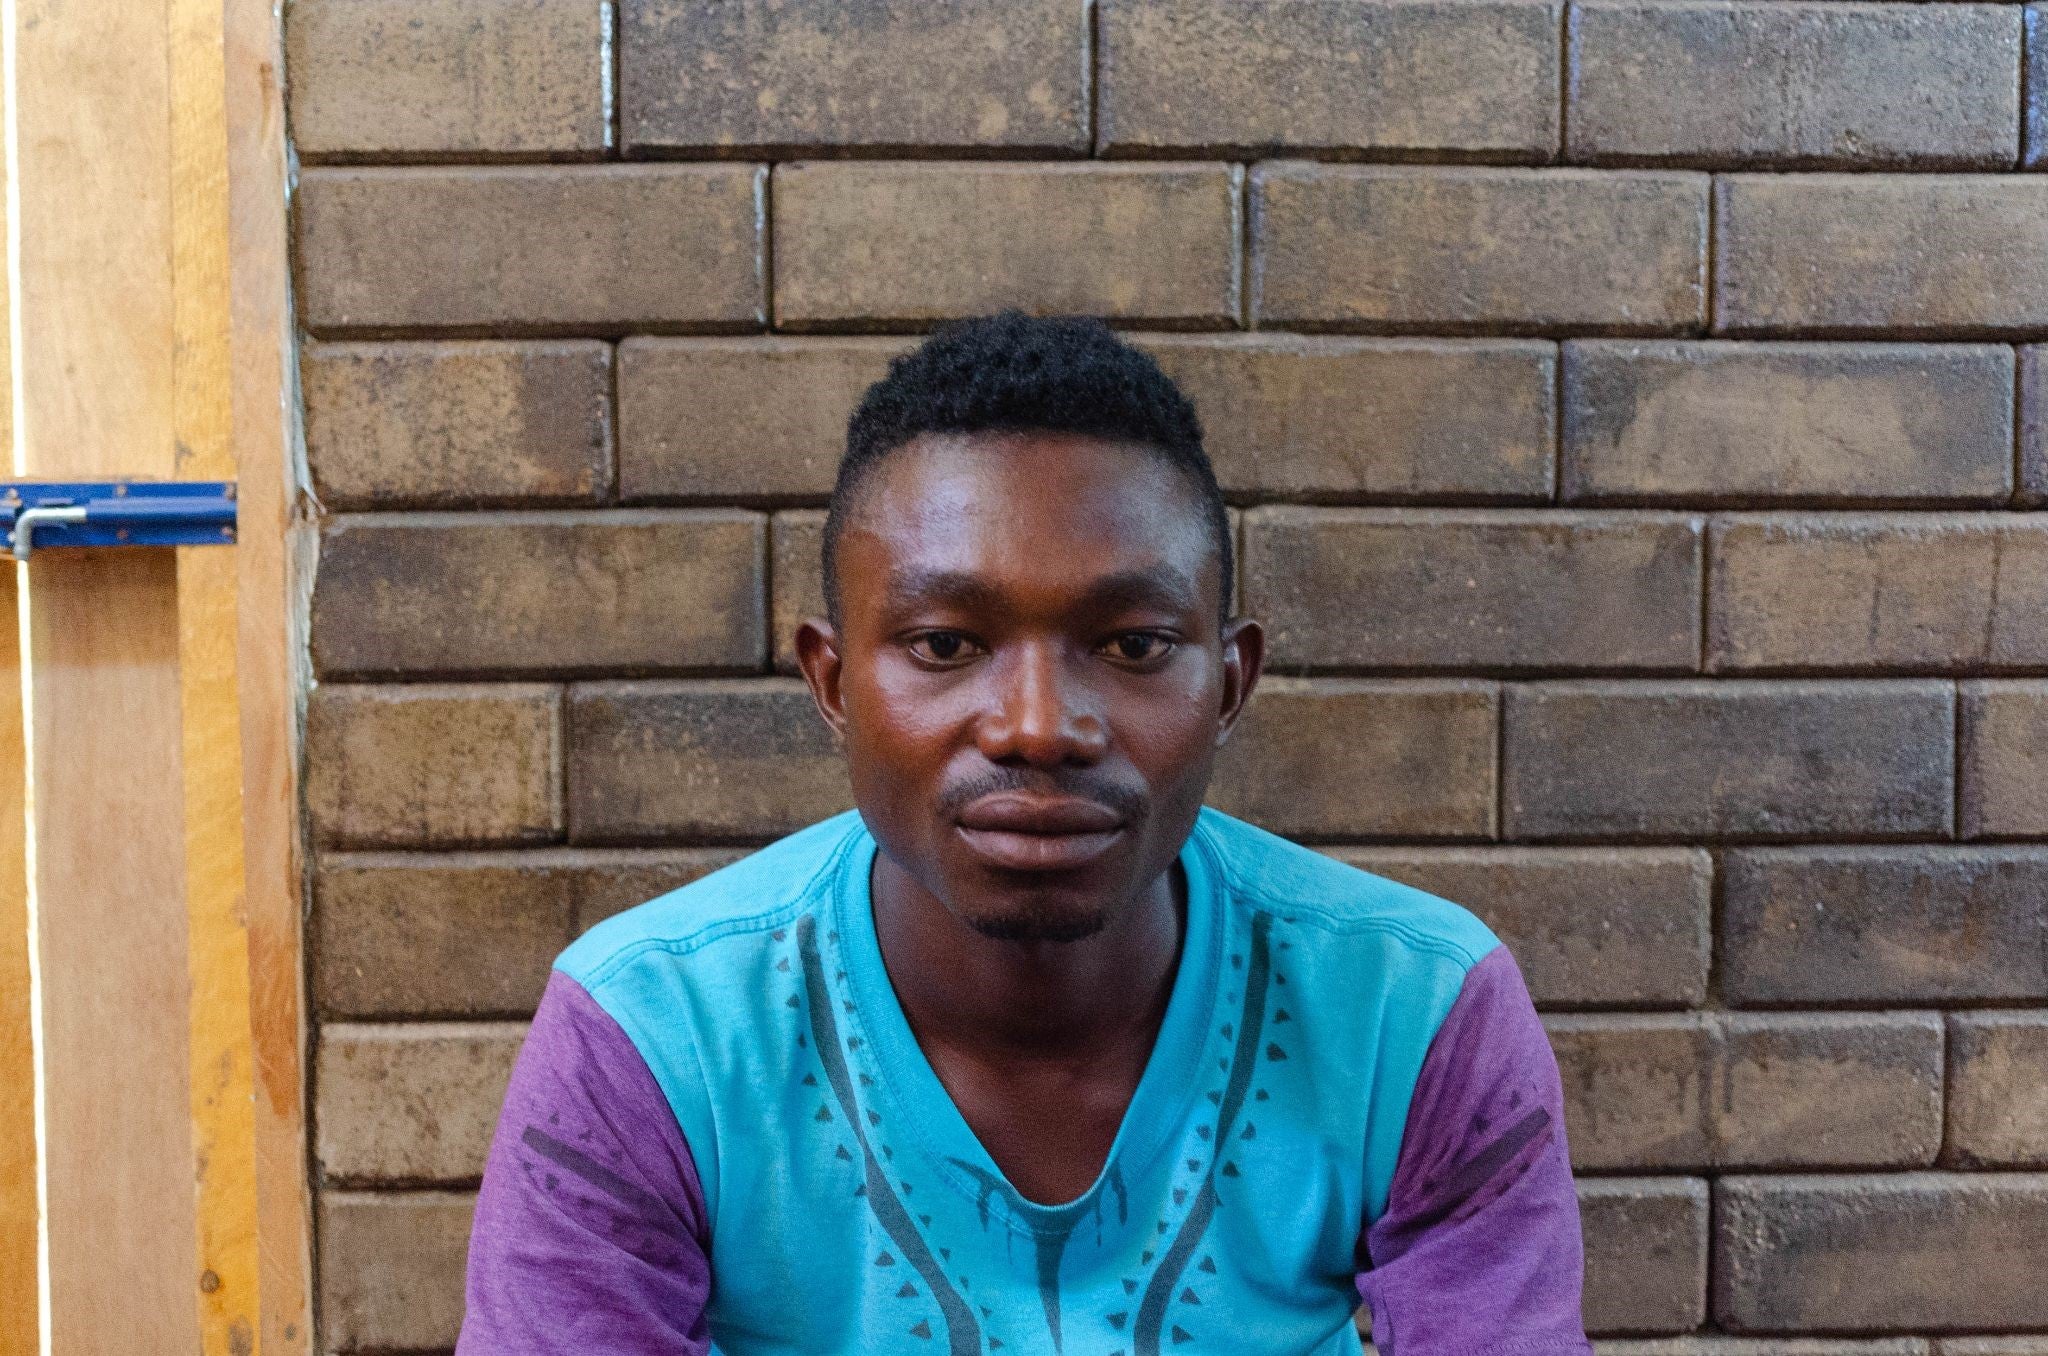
590,1234
1478,1252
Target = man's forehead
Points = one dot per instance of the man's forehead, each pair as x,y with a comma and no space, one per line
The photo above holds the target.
1063,477
1070,512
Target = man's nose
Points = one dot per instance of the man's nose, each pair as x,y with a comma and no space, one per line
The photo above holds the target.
1039,711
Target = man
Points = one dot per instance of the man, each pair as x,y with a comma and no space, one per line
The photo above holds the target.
1031,1052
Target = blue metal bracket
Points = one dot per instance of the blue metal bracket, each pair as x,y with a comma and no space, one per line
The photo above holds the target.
39,514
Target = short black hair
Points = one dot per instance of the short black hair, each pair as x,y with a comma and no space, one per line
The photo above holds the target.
1015,373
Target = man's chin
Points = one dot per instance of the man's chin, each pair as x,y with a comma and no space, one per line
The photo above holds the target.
1037,923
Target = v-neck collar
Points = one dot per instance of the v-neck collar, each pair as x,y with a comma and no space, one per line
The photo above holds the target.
1171,1079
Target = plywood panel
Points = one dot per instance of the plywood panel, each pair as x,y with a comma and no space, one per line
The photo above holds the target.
108,760
270,652
19,1215
223,1080
222,1073
160,686
93,104
98,137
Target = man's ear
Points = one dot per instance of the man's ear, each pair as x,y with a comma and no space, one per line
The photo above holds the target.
1244,659
817,654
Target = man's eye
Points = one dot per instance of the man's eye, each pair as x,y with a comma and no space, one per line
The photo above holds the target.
1138,647
941,647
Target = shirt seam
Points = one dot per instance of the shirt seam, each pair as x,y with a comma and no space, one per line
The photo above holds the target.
610,970
780,914
686,1051
1536,1346
1290,909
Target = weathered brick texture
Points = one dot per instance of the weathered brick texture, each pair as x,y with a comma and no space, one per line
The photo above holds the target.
725,419
2005,759
633,590
1486,589
1634,415
1735,759
429,765
1998,1096
2033,468
1409,77
1786,84
410,1103
1646,1253
1884,924
1672,1090
720,760
391,1269
1771,1346
900,245
598,249
433,936
1919,591
758,76
448,78
1925,1250
1588,927
470,934
1397,250
1712,421
1849,254
1335,418
796,585
1364,758
458,424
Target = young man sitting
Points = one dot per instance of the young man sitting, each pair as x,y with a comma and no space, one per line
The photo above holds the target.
1030,1051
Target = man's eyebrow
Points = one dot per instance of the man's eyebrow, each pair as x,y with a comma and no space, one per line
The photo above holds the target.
1161,588
913,586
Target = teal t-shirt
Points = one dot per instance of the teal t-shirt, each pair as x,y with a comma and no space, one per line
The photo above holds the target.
850,1208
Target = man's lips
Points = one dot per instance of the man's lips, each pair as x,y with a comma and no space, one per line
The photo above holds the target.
1016,812
1020,832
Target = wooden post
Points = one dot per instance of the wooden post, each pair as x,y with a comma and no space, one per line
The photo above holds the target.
20,1216
275,543
159,689
20,1210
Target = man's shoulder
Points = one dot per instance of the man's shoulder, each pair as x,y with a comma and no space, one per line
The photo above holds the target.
754,897
1275,875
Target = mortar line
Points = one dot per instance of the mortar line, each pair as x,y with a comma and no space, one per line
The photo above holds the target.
2025,72
608,74
562,761
764,225
1557,422
1091,76
1500,763
1957,735
1241,267
1948,1082
1710,249
766,600
615,492
2020,368
1566,12
1717,880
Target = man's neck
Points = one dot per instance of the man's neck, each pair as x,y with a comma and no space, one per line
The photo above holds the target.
1054,1001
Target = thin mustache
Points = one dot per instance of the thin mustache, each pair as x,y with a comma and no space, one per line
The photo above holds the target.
1114,796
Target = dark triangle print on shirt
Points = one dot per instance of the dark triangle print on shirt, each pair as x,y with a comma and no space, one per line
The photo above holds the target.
963,1333
1146,1334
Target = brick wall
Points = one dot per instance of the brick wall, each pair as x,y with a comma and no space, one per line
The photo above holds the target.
1640,455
